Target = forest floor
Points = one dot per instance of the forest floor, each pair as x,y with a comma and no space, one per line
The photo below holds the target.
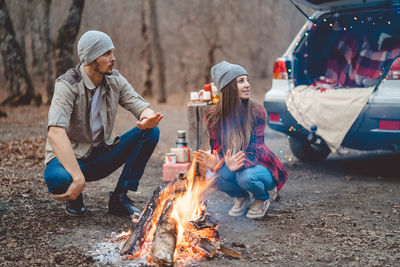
344,211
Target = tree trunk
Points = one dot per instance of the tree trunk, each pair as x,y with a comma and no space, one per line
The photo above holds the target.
48,54
66,37
145,52
210,62
159,54
35,16
19,81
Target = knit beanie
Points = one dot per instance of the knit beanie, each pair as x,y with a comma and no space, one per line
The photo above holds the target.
93,44
224,72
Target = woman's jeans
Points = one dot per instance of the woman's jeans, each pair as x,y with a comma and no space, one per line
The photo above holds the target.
256,180
134,149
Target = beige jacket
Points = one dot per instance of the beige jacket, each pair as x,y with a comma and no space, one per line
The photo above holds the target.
70,108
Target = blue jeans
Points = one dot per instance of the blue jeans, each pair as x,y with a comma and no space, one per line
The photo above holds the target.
256,180
134,149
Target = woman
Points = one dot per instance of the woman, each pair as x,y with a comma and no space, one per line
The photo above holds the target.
239,156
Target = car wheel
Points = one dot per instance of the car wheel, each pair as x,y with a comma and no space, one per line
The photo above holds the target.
307,152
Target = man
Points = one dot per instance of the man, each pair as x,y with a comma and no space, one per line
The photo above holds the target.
79,146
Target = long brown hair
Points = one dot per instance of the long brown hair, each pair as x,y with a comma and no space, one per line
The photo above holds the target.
234,118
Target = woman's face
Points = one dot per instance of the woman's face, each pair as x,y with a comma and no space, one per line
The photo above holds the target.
243,86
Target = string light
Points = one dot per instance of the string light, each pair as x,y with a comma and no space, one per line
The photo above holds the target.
356,19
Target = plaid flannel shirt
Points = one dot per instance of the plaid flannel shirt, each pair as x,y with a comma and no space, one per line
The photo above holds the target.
257,152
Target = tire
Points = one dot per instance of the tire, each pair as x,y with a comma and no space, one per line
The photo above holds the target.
307,152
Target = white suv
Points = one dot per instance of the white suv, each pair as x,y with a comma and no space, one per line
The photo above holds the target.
331,47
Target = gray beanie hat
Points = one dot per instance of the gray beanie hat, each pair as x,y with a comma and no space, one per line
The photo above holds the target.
93,44
224,72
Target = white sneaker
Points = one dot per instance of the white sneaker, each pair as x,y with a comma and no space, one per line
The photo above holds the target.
240,206
259,209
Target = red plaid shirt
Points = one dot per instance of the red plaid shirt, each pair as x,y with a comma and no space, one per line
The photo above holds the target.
257,152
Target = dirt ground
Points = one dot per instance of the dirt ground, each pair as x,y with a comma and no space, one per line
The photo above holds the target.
344,211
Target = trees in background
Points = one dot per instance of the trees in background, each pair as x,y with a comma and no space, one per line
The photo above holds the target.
20,86
67,34
195,34
151,43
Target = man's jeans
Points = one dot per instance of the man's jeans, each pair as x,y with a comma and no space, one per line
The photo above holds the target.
256,180
134,149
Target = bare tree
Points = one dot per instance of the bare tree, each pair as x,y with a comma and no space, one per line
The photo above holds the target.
36,24
48,55
146,51
20,84
66,36
159,55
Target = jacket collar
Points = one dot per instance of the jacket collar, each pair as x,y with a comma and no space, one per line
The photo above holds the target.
86,80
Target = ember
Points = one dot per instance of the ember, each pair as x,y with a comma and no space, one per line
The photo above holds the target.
176,226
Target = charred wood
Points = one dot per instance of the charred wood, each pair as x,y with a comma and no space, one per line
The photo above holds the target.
206,220
142,227
203,246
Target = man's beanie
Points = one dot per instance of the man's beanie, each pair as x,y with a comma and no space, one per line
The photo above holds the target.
224,72
93,44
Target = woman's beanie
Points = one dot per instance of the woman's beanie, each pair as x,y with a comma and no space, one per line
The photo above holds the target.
93,44
224,72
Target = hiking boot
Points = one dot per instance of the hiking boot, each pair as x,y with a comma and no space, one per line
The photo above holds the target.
240,206
121,205
75,207
259,209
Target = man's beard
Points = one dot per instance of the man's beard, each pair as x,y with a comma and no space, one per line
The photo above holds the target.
96,69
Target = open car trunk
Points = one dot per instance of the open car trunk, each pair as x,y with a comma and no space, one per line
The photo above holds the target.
339,63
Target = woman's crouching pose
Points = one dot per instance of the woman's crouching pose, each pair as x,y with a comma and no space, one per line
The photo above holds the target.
239,156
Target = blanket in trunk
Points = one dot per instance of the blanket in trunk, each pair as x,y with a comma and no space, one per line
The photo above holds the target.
332,111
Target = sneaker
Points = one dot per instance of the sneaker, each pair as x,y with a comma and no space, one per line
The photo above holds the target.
75,207
121,205
259,209
240,206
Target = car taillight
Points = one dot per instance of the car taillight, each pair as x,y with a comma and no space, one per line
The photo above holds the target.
389,125
276,117
280,70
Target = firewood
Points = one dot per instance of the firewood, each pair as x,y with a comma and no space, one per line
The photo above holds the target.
142,227
206,220
202,245
164,243
230,252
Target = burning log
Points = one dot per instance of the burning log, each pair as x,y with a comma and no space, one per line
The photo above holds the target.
201,245
142,227
164,243
206,220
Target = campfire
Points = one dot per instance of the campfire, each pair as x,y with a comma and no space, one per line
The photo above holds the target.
175,226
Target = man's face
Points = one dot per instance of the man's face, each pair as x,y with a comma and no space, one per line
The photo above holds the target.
104,64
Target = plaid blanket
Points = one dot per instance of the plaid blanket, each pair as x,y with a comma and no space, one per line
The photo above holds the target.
355,63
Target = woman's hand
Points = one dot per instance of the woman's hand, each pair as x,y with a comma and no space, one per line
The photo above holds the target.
149,122
207,159
234,162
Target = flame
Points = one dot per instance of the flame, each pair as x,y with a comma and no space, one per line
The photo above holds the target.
123,236
187,206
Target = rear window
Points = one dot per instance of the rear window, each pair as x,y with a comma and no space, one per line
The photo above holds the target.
350,49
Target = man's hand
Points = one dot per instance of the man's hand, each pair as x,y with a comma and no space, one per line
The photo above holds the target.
236,161
210,161
74,190
149,122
